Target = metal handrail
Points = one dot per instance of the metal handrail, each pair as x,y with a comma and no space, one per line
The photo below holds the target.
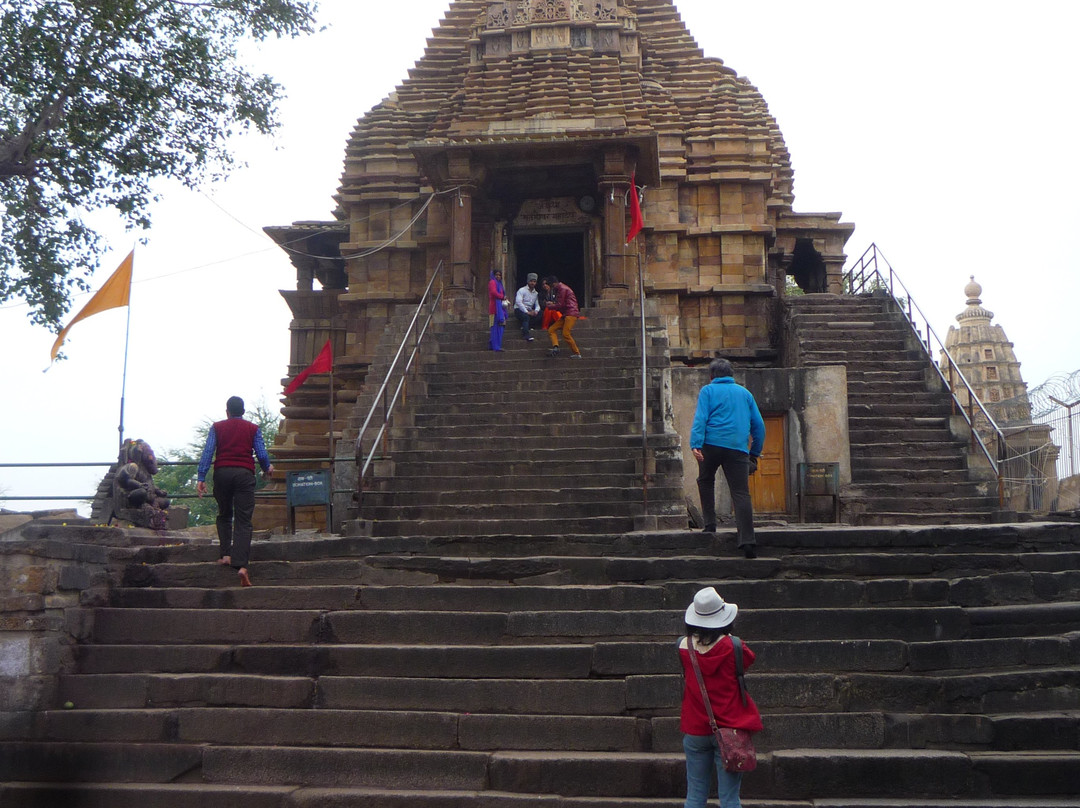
867,277
108,463
644,391
380,395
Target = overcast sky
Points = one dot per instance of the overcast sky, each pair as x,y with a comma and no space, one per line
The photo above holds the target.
945,131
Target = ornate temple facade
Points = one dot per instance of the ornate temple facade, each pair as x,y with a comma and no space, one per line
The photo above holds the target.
515,142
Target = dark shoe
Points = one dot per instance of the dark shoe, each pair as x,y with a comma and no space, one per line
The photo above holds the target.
554,351
749,551
709,529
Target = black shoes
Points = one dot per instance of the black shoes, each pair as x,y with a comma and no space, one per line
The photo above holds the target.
749,551
554,351
709,529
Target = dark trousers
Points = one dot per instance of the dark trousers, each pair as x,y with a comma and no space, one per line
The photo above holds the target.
736,466
234,490
525,321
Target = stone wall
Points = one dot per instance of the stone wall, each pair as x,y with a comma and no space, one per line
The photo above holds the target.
812,400
47,571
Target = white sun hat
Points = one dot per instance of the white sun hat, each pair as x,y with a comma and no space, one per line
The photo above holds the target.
709,610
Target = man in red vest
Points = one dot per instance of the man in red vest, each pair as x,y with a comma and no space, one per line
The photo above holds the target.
231,444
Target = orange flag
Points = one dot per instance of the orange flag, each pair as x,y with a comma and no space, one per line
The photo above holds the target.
323,363
115,293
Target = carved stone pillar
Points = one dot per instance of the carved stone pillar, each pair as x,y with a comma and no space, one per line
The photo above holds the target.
459,169
461,264
614,184
613,193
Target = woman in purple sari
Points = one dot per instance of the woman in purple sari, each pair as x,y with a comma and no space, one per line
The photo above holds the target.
497,309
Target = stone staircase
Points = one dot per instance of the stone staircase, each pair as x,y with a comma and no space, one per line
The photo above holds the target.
897,667
518,442
907,465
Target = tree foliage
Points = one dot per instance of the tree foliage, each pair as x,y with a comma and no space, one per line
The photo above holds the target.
100,97
180,480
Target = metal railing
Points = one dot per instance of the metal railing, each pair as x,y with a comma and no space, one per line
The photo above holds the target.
872,273
644,390
109,463
378,444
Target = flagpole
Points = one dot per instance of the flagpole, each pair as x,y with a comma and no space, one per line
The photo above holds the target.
330,510
123,383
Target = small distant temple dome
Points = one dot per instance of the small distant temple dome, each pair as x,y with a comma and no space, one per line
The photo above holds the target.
974,310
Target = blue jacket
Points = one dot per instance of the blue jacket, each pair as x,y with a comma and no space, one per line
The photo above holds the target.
727,416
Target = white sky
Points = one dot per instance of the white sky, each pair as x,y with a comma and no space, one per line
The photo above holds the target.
944,130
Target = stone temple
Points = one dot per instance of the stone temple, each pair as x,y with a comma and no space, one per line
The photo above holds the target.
513,143
506,635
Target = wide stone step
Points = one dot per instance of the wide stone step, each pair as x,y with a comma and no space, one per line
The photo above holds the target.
581,400
1026,585
480,482
525,501
577,505
180,626
570,443
905,473
931,409
494,527
889,432
480,732
911,448
887,517
527,386
787,774
576,660
145,795
954,458
975,502
511,420
1045,689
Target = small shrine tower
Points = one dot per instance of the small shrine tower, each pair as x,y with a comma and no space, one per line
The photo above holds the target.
986,358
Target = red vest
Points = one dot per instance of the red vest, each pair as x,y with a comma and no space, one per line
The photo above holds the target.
235,444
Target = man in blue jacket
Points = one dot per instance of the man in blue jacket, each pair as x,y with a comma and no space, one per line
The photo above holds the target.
727,422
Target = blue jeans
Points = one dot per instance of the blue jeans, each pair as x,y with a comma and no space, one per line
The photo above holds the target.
702,759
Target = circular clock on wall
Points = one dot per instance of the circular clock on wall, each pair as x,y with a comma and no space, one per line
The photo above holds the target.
587,204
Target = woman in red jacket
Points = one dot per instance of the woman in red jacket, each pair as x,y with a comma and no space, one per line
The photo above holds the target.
709,621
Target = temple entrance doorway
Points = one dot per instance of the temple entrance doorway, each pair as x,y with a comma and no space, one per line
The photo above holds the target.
561,254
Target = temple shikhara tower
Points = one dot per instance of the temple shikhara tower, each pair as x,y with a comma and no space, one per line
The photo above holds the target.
512,144
989,364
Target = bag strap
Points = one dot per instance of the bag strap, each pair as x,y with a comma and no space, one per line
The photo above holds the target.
740,673
701,683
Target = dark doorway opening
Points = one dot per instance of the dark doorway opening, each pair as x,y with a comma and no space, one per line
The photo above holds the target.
560,254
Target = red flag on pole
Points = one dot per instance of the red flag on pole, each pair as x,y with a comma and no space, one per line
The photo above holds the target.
636,220
324,363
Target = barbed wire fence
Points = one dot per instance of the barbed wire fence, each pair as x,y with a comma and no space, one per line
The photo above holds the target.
1056,404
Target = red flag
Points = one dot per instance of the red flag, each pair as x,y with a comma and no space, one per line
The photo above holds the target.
324,363
636,220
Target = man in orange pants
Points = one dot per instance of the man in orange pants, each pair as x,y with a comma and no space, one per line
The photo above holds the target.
566,304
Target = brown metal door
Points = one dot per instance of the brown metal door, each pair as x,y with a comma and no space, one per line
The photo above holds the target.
768,487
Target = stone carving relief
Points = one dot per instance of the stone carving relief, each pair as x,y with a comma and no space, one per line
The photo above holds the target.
558,37
524,12
497,46
580,37
605,10
499,15
549,10
608,40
